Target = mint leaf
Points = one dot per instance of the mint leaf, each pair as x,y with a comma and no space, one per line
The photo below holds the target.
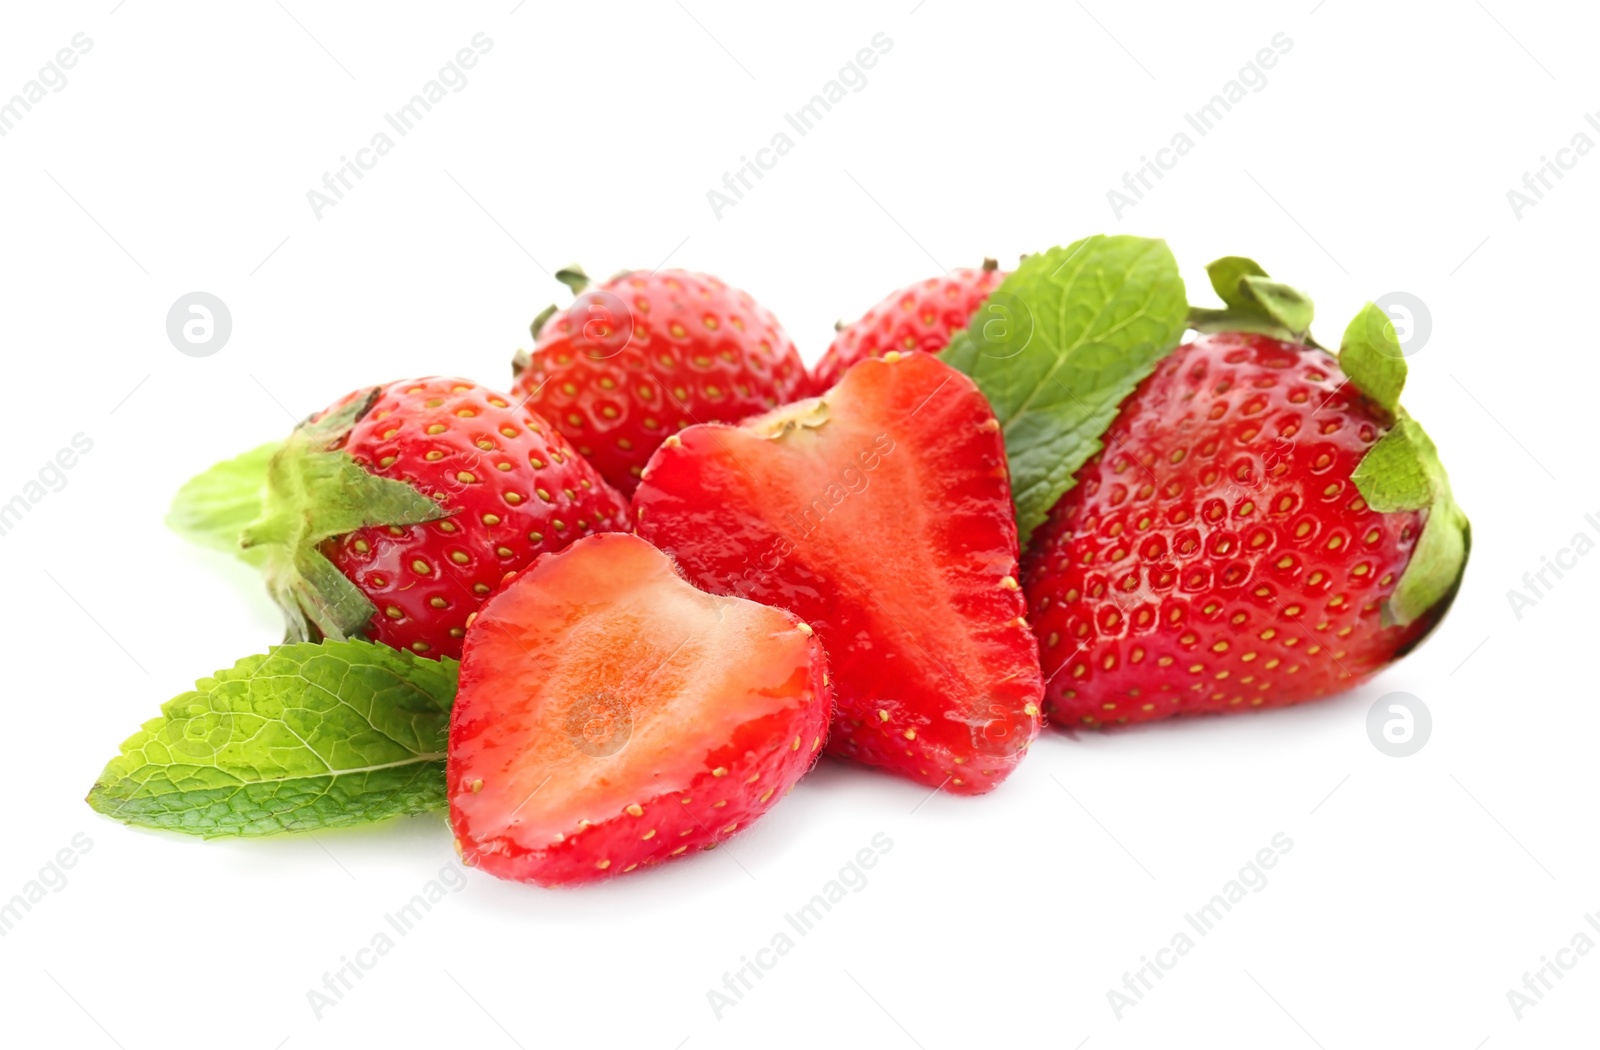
304,737
1059,345
213,508
1370,355
1403,472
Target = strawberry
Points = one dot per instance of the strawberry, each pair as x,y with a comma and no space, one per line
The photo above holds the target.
1242,540
394,513
611,716
922,316
645,355
881,514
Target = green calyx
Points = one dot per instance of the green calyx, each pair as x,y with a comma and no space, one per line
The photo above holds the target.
1253,303
1370,355
214,507
521,361
315,491
1402,472
575,279
539,322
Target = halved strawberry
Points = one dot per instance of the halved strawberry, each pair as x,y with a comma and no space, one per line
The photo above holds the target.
611,716
881,513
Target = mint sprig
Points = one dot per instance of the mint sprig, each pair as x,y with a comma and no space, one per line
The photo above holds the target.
302,738
1058,346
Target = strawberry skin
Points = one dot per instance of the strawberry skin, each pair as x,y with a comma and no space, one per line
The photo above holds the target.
881,514
506,487
611,716
646,354
923,316
1215,555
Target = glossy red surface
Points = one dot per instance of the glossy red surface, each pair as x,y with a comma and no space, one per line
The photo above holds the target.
881,514
515,490
646,354
1216,556
921,316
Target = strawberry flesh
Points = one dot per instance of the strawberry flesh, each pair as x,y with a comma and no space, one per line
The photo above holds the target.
611,716
881,514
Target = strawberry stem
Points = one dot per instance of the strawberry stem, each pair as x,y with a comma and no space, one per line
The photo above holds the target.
1254,303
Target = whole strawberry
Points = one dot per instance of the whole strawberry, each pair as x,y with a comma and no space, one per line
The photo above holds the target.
1261,528
395,512
922,316
646,354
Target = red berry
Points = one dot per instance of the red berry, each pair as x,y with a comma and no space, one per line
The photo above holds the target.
923,316
1215,555
483,487
645,355
881,514
611,716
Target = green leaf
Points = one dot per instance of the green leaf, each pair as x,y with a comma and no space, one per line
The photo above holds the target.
1226,273
1059,345
1370,355
1396,473
520,362
213,508
1437,564
315,496
574,278
303,738
1402,472
1290,307
1254,303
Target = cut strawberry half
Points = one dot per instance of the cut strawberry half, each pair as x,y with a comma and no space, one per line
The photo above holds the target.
611,716
880,513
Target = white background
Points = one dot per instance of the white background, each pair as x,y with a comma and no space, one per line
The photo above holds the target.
1377,158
